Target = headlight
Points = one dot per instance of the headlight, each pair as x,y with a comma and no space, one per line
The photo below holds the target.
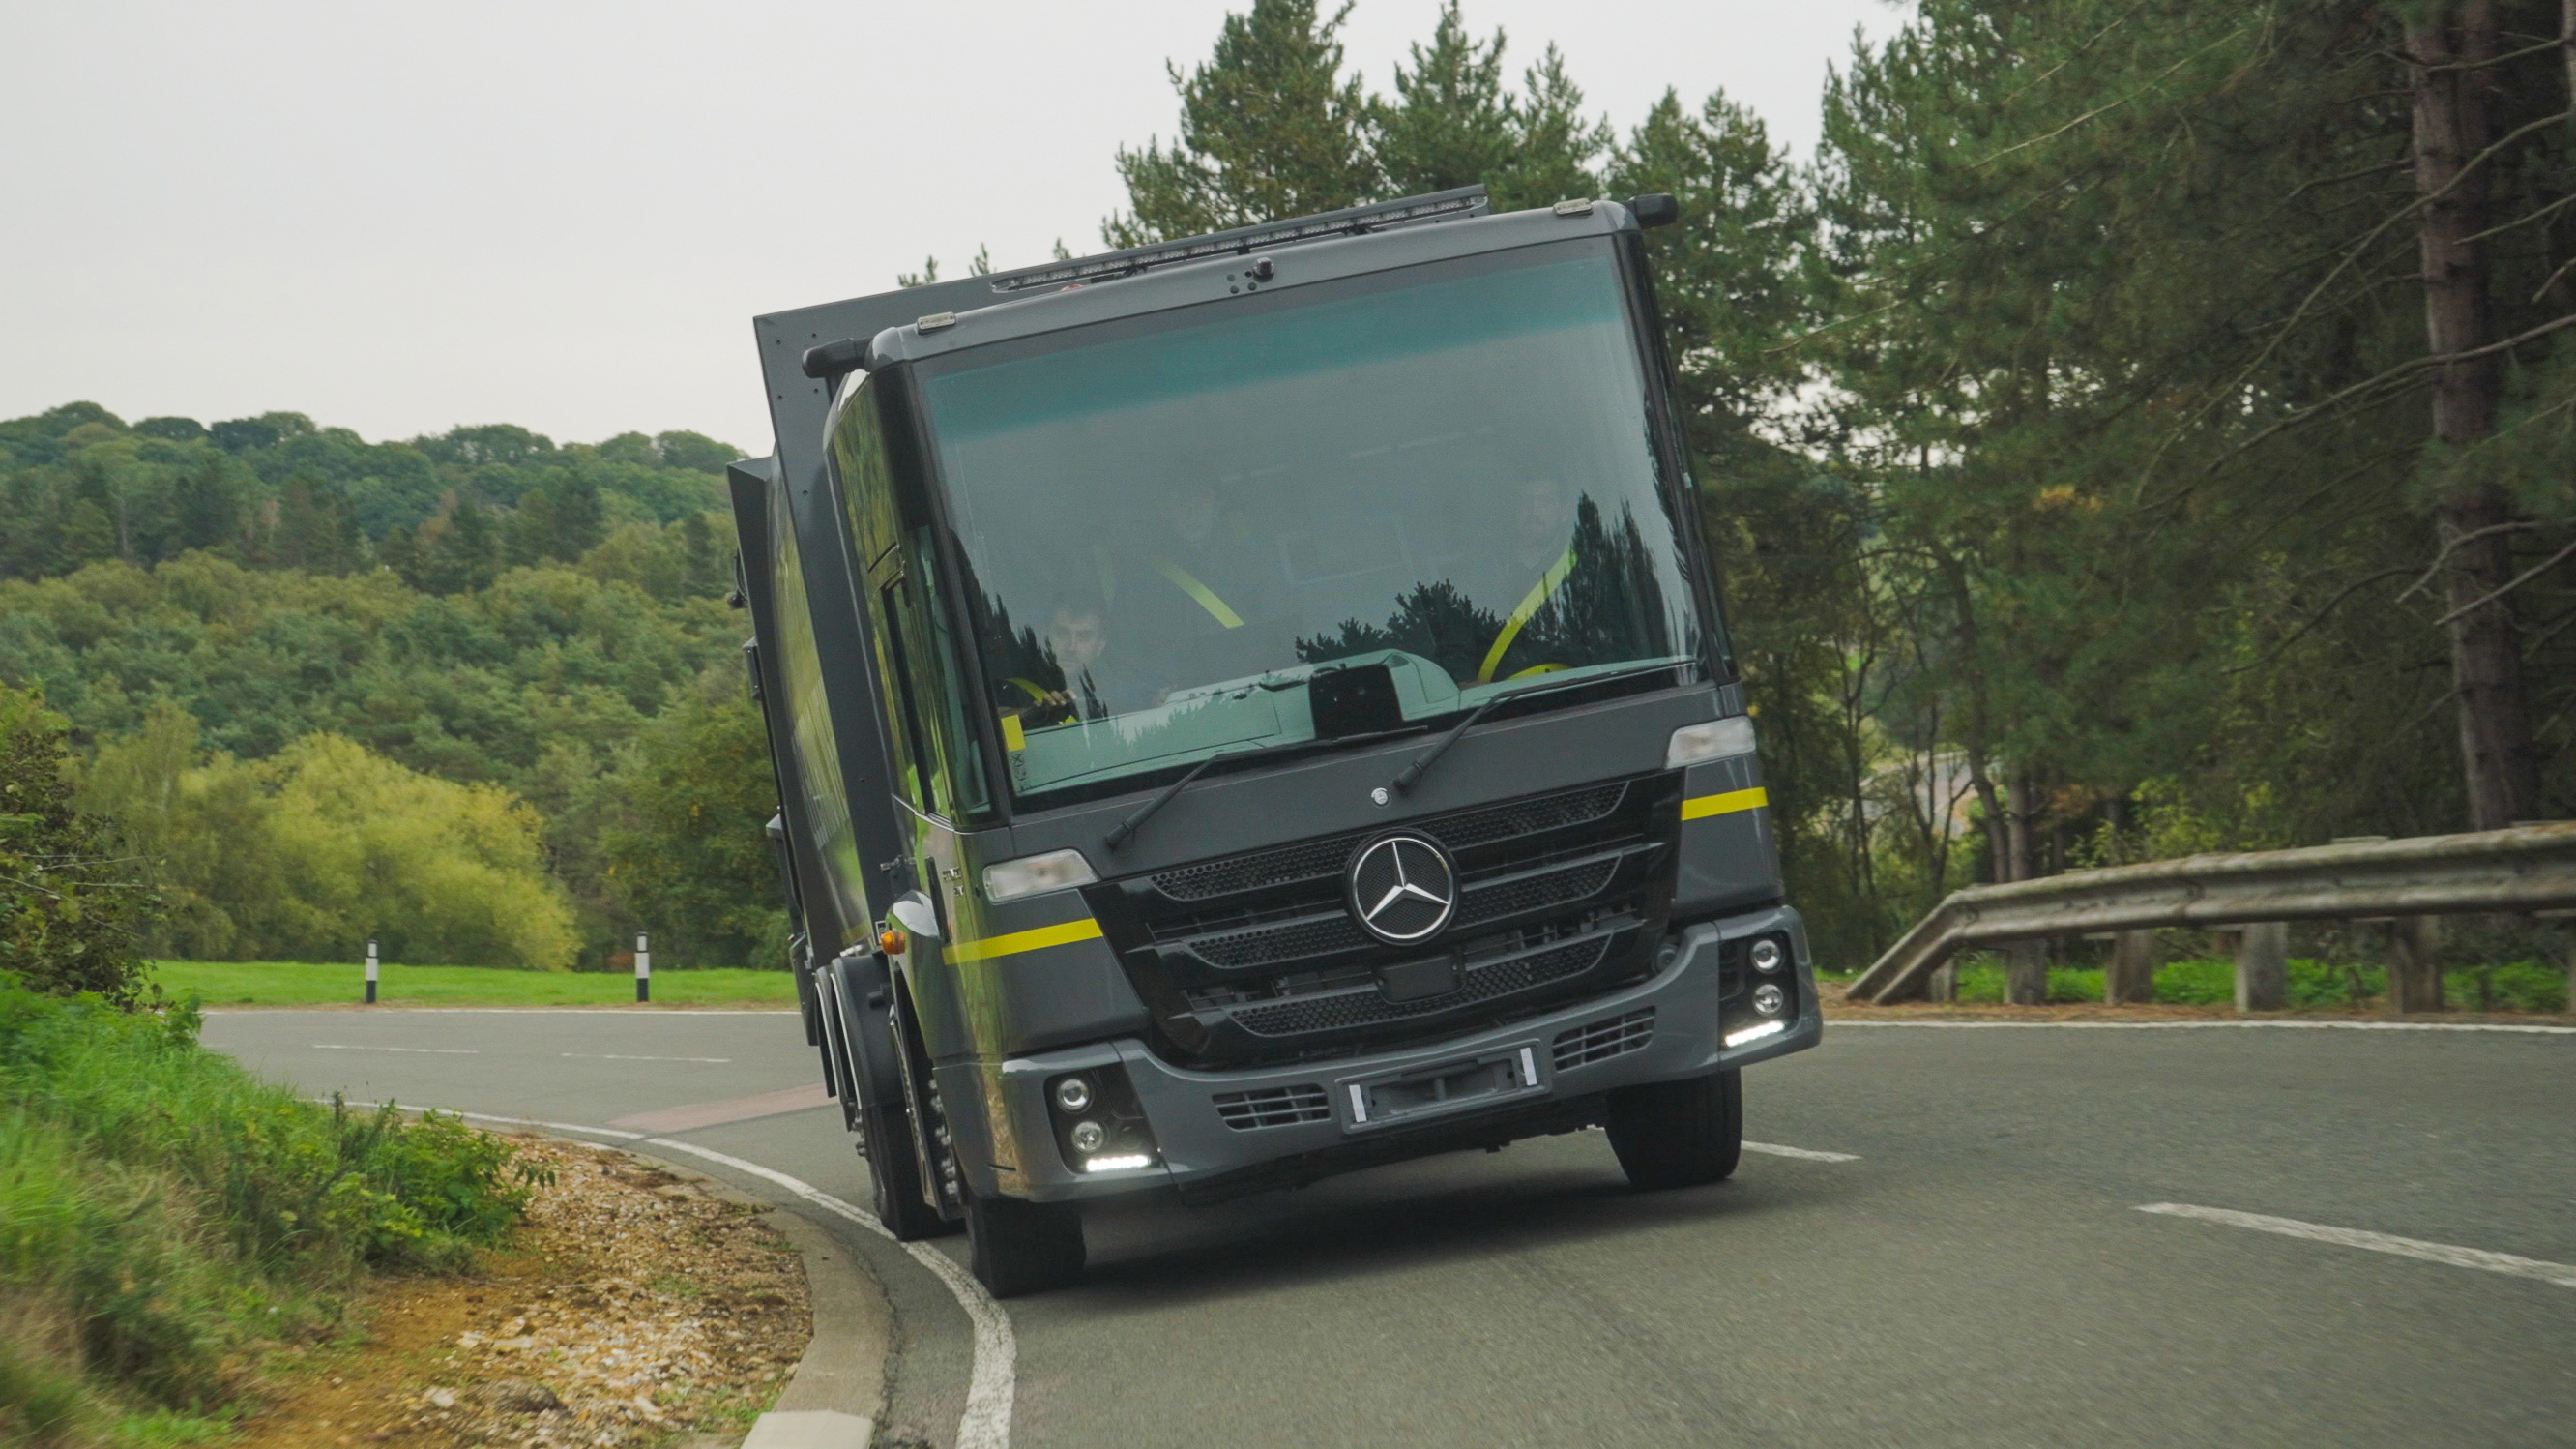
1718,739
1030,875
1767,955
1073,1094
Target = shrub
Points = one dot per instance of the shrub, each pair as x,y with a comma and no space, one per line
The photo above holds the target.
160,1207
69,911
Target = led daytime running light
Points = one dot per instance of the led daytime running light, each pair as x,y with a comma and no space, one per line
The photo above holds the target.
1756,1032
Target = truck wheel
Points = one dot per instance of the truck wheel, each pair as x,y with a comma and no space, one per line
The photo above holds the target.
1679,1134
885,1138
1017,1247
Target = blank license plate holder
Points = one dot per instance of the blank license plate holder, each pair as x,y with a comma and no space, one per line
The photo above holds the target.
1459,1084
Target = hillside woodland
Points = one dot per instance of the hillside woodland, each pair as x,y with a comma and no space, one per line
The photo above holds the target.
2139,429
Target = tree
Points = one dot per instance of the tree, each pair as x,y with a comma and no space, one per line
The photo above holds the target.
692,862
1453,124
2452,51
71,912
1270,128
1450,124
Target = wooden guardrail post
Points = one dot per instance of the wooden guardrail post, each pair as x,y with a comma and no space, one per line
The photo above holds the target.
2263,966
2414,964
2026,973
2131,976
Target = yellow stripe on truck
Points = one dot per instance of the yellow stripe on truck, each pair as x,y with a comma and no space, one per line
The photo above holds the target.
1702,806
986,949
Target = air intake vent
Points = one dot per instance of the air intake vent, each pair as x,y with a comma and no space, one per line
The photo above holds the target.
1272,1107
1601,1040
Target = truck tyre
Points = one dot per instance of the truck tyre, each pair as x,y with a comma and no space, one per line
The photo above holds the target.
1017,1247
1679,1134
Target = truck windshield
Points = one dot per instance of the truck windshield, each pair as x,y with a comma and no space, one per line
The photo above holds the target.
1168,530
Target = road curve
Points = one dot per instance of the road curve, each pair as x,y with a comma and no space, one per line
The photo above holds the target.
1973,1238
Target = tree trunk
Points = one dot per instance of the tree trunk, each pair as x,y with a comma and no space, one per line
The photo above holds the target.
2452,126
2025,962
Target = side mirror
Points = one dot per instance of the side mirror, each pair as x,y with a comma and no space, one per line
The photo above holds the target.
1655,209
912,911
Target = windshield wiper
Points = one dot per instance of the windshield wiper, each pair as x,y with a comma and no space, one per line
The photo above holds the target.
1126,829
1413,773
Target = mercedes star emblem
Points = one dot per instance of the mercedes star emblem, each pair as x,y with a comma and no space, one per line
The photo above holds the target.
1403,889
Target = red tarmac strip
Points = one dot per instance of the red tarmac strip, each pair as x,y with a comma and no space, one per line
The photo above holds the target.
708,1114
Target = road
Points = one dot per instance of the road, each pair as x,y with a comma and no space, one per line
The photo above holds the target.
2362,1238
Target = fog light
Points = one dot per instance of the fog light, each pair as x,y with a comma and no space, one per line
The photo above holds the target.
1073,1094
1088,1137
1767,955
1768,1000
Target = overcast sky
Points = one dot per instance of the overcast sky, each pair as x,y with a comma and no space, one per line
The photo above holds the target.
402,218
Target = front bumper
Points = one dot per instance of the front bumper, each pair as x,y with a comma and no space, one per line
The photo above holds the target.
1540,1074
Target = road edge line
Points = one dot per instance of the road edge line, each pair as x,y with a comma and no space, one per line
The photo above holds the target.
992,1384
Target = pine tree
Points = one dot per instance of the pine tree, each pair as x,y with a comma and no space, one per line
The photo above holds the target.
1270,128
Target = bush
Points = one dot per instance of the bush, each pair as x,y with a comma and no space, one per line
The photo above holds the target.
160,1208
69,911
2524,986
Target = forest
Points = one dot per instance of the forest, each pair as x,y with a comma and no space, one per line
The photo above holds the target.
2140,429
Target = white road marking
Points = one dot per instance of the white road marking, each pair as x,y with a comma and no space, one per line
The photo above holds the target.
1838,1024
990,1386
2561,1274
622,1057
1808,1153
333,1046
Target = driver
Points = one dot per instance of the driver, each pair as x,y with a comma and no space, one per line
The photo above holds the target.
1076,642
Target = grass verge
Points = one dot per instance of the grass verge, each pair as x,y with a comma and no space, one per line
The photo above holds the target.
165,1218
296,983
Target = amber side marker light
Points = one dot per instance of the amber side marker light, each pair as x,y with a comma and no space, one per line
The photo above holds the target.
891,942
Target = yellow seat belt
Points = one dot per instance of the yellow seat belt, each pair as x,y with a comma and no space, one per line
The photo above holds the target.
1188,583
1539,594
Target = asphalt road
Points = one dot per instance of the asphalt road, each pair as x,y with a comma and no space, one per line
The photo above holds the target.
1978,1273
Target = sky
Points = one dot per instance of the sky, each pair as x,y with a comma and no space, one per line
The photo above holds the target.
400,219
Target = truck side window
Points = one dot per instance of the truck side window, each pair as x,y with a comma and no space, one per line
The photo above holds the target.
961,763
947,775
913,775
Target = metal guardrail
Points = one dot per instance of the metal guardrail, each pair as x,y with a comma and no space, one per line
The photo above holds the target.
2527,869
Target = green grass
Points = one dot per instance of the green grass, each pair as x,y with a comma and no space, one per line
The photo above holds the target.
164,1214
2518,986
293,983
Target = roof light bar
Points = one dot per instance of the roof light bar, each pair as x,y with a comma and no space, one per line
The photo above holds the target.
1466,201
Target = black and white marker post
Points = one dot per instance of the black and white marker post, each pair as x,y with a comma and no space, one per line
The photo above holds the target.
643,967
371,973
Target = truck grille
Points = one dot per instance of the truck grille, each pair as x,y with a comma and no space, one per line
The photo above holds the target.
1272,1107
1256,957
